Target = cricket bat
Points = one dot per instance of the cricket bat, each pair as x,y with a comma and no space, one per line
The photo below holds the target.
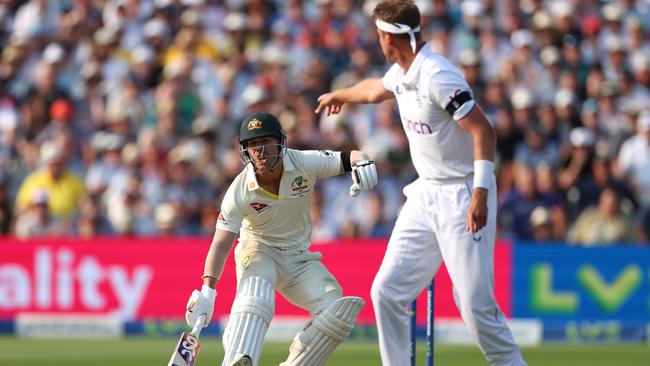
188,346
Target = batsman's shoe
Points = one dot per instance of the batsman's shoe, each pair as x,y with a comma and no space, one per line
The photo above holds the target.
243,361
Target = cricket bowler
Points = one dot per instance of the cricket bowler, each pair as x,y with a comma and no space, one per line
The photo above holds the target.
450,210
268,204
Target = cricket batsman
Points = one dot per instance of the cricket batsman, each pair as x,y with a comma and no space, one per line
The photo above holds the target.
268,204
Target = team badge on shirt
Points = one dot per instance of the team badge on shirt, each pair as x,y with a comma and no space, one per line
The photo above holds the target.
299,186
259,207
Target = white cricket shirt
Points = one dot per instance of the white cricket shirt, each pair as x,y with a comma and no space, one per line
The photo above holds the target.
440,149
282,220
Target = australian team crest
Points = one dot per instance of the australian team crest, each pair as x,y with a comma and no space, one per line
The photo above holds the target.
254,124
299,185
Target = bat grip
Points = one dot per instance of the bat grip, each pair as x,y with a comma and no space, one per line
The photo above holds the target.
196,330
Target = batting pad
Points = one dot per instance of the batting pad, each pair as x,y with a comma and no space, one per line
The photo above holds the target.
316,342
250,316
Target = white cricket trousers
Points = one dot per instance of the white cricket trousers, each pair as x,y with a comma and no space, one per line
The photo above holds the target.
430,229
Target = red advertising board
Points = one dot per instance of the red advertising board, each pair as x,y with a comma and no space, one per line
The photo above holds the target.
152,278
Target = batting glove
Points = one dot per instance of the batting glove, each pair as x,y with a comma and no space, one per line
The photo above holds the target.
200,302
364,176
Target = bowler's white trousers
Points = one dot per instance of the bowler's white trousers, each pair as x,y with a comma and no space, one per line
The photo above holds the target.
430,229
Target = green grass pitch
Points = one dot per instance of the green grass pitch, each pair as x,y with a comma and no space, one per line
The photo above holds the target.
156,351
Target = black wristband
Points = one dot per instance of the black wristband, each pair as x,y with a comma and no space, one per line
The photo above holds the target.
345,160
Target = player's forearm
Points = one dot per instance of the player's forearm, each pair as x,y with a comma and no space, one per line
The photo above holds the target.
356,155
364,92
485,143
220,247
483,134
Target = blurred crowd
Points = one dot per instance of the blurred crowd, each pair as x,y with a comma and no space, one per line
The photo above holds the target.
120,117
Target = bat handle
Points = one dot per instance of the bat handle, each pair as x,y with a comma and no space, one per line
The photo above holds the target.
196,330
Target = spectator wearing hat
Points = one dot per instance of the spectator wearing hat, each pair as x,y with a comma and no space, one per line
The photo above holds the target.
577,164
470,66
8,137
64,188
614,64
62,122
613,16
634,158
604,224
563,13
590,27
551,60
145,69
524,48
640,62
541,225
524,104
36,220
107,164
544,29
166,219
66,73
588,191
572,58
611,120
636,37
565,104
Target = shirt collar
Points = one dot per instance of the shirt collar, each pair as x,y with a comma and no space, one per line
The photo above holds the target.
414,70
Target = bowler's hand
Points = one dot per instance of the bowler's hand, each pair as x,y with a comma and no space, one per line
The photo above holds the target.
477,211
200,303
329,102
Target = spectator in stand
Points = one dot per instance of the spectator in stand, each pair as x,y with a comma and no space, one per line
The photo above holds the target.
64,189
576,168
148,70
602,176
536,148
6,209
519,203
634,158
643,227
604,224
541,225
35,220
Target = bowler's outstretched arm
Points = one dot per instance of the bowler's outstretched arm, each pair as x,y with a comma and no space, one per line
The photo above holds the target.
364,92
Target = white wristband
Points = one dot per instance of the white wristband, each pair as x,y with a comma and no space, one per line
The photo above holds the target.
483,172
209,292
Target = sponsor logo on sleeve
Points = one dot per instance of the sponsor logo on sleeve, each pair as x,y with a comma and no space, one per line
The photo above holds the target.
222,219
